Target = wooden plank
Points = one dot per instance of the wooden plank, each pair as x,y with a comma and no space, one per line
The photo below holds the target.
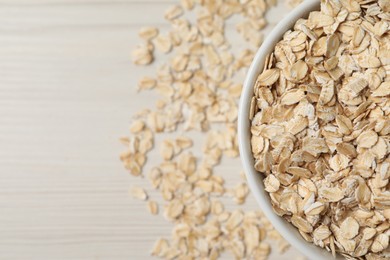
67,91
83,2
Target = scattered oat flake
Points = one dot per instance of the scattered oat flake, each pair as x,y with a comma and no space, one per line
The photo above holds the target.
173,12
137,126
139,193
163,43
141,55
174,209
160,247
148,33
234,220
153,207
146,83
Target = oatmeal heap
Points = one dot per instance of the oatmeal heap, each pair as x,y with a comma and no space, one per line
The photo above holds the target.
320,127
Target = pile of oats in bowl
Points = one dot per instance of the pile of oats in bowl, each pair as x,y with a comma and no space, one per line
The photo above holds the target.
321,127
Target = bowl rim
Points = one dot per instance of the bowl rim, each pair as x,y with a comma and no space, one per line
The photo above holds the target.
254,179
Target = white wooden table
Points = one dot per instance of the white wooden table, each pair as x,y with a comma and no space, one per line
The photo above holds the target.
67,91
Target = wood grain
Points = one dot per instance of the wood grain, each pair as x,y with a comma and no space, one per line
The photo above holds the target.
66,94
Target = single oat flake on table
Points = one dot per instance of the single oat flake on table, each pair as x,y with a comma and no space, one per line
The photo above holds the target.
321,127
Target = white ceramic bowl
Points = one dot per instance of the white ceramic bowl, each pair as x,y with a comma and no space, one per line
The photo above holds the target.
254,178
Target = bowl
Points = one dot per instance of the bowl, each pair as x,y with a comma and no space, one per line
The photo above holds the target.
254,178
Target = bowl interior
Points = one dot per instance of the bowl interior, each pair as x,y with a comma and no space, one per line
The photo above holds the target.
254,178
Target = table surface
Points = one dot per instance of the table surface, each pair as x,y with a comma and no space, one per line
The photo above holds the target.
67,91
